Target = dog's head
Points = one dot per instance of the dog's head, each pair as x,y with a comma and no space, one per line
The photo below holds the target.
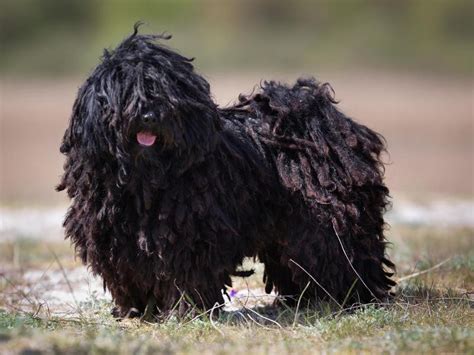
143,102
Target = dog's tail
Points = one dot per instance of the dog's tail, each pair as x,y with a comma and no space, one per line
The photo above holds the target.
331,161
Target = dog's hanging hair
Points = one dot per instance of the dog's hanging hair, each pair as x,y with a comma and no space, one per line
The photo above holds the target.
318,151
332,162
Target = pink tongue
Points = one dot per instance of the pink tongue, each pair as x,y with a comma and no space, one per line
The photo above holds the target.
146,138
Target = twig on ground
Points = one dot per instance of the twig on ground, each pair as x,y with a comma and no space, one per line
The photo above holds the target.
316,282
63,271
17,290
350,263
347,297
216,305
407,277
298,304
200,315
38,282
257,323
266,318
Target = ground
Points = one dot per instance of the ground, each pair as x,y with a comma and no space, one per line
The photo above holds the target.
49,303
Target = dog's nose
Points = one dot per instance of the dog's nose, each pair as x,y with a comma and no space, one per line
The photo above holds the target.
149,118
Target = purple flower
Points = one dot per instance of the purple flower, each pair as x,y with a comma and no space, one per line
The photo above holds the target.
233,293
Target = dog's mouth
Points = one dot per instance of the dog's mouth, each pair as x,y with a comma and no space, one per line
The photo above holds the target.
146,139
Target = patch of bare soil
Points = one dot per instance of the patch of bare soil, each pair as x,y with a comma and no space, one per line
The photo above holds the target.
57,291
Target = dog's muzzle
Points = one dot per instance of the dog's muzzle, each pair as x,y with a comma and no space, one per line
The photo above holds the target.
145,137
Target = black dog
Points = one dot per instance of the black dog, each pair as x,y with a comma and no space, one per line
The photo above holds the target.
170,192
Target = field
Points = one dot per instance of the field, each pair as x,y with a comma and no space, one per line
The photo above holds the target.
50,304
432,311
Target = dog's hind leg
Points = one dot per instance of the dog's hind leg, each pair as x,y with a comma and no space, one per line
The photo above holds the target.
303,264
278,276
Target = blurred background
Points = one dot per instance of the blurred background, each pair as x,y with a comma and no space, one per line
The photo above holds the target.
405,68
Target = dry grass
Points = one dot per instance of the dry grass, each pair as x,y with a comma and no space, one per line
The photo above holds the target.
432,312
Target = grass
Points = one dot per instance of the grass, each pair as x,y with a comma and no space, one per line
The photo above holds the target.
432,311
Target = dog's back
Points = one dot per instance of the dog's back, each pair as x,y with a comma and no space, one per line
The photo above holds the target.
332,169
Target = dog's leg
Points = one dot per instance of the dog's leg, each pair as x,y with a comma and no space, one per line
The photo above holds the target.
323,265
205,295
278,277
129,302
188,295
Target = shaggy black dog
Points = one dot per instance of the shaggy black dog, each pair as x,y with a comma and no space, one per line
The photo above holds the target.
170,192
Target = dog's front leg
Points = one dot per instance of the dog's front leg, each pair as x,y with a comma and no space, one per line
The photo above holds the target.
189,294
129,301
175,301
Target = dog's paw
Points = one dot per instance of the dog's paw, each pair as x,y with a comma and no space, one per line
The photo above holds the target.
123,313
